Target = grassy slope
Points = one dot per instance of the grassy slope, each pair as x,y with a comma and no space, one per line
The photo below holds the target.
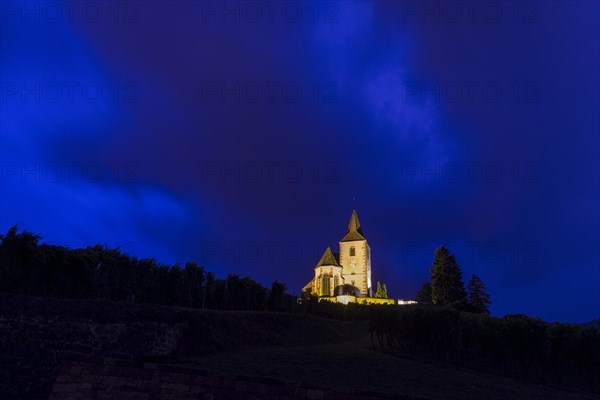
207,331
297,348
355,364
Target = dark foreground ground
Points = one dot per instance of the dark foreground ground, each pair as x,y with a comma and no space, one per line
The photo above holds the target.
66,349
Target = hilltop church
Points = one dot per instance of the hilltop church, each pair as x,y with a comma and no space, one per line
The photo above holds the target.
345,276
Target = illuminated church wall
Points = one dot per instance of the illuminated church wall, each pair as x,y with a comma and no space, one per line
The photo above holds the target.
347,272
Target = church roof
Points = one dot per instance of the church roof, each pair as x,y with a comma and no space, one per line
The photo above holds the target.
337,257
328,258
308,286
354,229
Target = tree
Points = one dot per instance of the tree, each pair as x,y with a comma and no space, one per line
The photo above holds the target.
424,294
209,293
277,296
477,295
381,292
193,278
30,268
446,279
19,261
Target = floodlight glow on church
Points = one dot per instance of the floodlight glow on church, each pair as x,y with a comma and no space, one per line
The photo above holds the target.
345,277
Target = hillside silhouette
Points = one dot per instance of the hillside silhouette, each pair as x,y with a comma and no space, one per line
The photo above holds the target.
66,310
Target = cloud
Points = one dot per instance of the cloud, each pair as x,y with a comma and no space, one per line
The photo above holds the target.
139,218
59,104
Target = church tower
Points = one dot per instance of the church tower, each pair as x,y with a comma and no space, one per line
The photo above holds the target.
355,257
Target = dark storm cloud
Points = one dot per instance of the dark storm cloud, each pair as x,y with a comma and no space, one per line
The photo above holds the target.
242,139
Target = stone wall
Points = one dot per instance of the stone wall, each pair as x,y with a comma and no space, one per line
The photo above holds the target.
32,347
38,334
345,299
108,379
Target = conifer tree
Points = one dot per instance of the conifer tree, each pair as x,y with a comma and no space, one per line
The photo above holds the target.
477,295
384,291
446,279
424,294
379,292
277,296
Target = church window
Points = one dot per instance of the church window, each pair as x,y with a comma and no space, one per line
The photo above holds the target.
336,281
352,251
326,285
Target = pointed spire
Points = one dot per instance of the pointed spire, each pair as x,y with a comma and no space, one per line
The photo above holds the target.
328,259
354,224
354,229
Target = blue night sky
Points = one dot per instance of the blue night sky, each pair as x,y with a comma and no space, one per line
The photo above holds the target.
238,135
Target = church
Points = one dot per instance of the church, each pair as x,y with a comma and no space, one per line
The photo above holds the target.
345,276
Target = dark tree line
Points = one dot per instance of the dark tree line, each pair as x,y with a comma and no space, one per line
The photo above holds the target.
446,286
30,268
460,333
515,345
97,272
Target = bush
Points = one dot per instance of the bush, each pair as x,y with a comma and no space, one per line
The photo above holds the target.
516,345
